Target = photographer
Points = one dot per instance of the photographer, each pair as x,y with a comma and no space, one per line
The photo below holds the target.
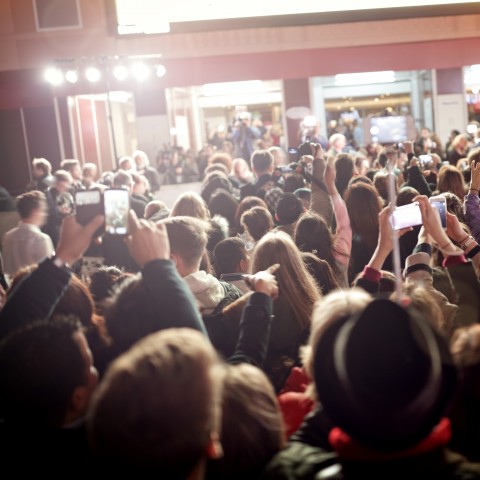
244,136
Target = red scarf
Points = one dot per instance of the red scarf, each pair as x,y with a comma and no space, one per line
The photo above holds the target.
350,449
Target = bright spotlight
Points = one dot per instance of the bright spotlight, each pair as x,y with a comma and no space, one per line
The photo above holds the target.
53,76
140,71
92,74
310,121
71,76
160,71
120,72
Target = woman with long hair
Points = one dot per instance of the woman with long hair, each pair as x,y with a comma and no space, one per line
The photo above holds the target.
363,206
293,307
450,179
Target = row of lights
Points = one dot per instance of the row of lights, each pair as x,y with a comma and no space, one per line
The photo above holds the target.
140,71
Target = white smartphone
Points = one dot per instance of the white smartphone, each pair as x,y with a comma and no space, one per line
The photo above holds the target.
406,216
440,203
117,205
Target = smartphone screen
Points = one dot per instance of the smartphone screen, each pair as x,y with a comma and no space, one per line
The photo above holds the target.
88,204
440,204
117,204
232,277
406,216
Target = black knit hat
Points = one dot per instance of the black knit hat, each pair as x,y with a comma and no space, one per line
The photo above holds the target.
385,377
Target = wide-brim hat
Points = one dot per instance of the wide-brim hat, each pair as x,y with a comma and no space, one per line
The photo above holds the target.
385,376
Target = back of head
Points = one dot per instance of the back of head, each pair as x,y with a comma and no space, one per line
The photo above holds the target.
406,196
69,164
258,221
292,182
214,181
252,425
40,367
188,238
228,254
224,204
380,182
190,204
43,165
30,201
321,271
122,179
261,161
157,406
289,209
474,156
222,159
62,176
344,166
382,373
246,204
450,179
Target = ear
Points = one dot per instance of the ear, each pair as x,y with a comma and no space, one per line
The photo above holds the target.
243,265
214,448
276,218
78,402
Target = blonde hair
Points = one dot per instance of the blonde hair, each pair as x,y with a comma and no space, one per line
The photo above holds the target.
252,424
465,345
297,287
190,204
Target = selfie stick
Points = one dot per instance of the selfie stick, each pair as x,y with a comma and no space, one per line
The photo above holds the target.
392,197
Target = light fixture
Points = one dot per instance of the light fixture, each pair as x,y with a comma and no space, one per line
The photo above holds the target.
140,71
365,78
71,76
310,121
53,76
92,74
120,72
160,71
232,88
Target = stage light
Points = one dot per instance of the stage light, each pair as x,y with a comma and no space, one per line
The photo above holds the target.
140,71
53,76
71,76
120,72
92,74
160,71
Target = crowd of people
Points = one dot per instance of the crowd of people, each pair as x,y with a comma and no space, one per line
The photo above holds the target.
259,329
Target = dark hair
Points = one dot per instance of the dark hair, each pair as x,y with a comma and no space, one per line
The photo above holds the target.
261,161
69,164
214,181
40,367
321,271
289,209
406,196
221,158
224,204
103,281
30,201
246,204
292,182
344,166
258,221
382,159
228,254
450,179
362,179
122,179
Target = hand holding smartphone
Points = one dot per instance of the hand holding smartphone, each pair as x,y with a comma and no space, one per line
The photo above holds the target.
440,203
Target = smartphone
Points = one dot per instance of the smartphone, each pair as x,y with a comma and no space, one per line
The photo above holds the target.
440,203
116,204
425,158
406,216
88,204
232,277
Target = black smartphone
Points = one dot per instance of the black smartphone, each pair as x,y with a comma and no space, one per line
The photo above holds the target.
232,277
88,204
116,204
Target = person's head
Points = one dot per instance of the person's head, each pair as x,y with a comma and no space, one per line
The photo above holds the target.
246,204
298,288
241,170
289,209
216,167
46,374
364,205
345,168
141,159
474,156
126,163
72,166
279,156
140,184
103,283
450,179
257,221
222,159
62,181
382,373
89,172
380,182
252,426
123,179
188,241
156,210
337,142
321,271
262,162
460,143
313,235
214,181
406,195
32,207
190,204
292,182
224,204
455,205
41,167
362,164
157,408
231,256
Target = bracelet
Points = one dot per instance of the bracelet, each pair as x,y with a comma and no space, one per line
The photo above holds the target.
465,244
58,262
445,246
474,251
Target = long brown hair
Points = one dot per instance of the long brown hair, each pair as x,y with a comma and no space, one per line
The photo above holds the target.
363,206
450,179
296,286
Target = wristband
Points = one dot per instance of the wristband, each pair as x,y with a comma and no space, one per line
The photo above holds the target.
58,262
467,242
474,251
